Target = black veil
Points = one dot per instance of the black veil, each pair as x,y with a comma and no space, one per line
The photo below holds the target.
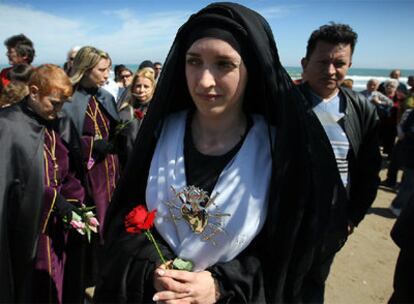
301,186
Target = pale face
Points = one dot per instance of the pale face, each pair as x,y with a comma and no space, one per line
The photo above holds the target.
395,74
327,67
157,69
390,89
126,78
98,75
143,89
48,106
71,57
372,86
14,58
216,77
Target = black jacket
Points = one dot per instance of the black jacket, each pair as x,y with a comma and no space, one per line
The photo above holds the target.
407,143
21,194
360,124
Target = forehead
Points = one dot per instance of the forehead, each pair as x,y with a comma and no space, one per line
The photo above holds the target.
103,63
55,94
325,49
391,85
143,80
213,46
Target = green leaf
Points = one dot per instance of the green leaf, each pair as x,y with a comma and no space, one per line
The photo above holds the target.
76,217
181,264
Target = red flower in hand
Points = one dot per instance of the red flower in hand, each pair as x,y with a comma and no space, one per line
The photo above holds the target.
139,219
139,114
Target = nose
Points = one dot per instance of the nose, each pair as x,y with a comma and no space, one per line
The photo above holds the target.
207,78
106,74
331,69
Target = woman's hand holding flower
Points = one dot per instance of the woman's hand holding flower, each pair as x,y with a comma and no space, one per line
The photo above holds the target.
178,286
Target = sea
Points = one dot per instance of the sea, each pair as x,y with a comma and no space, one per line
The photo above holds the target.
360,76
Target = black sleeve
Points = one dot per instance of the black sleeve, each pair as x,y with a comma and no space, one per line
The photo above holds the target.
127,269
402,232
408,126
240,280
365,169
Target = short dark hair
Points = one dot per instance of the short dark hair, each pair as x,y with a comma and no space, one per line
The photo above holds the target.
118,71
334,33
13,41
20,72
146,64
25,50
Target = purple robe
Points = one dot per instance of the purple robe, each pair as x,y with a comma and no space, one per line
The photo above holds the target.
102,176
50,258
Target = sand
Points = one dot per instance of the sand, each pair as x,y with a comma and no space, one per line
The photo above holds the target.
363,270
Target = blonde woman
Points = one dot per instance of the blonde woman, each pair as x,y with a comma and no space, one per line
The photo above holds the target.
94,114
134,108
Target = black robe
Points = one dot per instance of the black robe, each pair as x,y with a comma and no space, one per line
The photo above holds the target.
76,109
272,267
21,195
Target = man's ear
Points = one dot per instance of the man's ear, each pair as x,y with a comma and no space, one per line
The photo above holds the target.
33,92
350,64
304,63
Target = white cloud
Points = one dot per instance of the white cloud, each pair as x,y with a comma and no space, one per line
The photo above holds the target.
129,38
278,11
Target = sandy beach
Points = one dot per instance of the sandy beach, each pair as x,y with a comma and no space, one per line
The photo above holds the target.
363,270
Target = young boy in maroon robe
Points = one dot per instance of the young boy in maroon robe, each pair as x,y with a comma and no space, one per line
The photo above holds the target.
39,190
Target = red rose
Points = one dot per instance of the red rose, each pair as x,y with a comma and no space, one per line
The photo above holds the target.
139,219
139,114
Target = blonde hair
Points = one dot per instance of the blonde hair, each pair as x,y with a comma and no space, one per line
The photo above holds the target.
14,92
49,78
86,59
144,73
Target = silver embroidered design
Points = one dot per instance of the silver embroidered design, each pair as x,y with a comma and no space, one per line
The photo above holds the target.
191,204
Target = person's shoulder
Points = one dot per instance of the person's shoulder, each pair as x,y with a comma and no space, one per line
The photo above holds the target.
362,106
10,113
4,71
355,97
11,120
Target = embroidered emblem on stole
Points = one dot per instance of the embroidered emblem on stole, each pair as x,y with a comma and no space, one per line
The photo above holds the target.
191,204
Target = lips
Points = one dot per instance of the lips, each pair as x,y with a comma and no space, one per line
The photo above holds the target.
209,97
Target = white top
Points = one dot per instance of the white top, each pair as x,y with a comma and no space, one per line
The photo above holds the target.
224,227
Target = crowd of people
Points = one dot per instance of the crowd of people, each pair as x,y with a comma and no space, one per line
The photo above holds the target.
220,148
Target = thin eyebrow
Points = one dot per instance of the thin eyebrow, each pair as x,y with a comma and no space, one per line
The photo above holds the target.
219,57
193,54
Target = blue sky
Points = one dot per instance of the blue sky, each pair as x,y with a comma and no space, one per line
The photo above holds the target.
134,30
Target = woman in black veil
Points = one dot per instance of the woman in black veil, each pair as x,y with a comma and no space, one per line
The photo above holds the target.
227,119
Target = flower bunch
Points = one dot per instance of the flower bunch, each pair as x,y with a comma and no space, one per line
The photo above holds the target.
139,220
84,221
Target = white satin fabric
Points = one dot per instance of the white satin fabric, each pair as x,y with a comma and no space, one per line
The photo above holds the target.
242,192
